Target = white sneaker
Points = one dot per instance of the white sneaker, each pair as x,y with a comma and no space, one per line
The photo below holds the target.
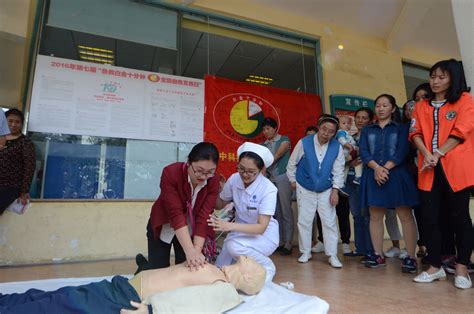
318,248
424,277
305,257
403,254
334,261
462,282
346,248
392,252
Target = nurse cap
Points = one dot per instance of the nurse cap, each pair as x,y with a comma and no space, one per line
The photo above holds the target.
260,150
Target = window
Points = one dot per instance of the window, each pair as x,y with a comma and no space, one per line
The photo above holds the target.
92,167
414,75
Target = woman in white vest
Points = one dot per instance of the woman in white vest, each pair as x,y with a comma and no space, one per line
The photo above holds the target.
316,171
254,232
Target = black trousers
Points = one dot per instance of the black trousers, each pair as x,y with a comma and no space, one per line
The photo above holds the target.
342,212
444,210
7,196
159,251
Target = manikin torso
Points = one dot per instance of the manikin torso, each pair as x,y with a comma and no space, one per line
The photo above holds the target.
177,276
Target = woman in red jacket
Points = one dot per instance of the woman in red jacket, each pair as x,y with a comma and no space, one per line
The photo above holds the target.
179,216
442,129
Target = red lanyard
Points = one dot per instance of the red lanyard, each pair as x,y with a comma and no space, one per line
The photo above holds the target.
189,206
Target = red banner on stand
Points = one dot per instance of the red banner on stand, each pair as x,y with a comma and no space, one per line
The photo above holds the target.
234,112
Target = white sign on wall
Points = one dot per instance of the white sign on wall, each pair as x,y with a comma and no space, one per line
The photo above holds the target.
81,98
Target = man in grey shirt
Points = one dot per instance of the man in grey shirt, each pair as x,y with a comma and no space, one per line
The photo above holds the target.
280,146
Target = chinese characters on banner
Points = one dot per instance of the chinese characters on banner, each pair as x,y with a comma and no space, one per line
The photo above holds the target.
235,110
75,97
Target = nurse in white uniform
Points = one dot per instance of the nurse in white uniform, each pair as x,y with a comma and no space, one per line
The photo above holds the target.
254,232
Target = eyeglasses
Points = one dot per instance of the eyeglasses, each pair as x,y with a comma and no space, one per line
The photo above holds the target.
200,173
242,170
324,129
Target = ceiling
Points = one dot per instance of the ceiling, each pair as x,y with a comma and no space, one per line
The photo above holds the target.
372,17
426,25
228,57
420,24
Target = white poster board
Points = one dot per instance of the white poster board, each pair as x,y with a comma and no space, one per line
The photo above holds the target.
81,98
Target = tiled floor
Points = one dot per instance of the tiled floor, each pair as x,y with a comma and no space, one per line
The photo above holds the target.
353,288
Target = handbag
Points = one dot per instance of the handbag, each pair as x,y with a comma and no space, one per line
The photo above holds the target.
17,207
209,249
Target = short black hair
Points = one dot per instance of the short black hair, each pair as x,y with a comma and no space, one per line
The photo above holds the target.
15,112
204,151
369,111
396,116
456,74
311,128
270,122
423,86
255,157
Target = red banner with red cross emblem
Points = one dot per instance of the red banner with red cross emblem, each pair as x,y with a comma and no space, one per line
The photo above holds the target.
234,112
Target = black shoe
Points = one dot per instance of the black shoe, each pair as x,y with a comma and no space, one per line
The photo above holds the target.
284,251
278,249
354,254
364,259
409,265
141,262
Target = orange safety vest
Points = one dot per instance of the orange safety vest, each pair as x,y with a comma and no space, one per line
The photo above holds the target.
453,120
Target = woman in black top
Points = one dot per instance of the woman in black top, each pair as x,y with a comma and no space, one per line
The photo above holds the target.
17,163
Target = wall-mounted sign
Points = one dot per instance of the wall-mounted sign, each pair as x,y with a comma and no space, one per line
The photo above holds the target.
81,98
348,103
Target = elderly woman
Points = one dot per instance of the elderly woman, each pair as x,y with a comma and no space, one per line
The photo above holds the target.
442,130
254,232
17,162
316,170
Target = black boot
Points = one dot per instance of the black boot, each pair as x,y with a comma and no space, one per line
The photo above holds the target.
141,262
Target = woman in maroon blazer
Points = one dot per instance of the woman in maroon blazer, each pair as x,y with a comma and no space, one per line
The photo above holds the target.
178,217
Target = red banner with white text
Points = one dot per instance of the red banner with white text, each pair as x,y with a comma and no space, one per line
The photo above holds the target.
234,112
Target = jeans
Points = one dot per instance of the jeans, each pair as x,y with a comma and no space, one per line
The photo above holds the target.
362,240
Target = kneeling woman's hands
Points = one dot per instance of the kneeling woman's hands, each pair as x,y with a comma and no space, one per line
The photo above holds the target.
219,224
195,259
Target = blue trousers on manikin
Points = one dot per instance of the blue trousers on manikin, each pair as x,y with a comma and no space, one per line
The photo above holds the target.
102,297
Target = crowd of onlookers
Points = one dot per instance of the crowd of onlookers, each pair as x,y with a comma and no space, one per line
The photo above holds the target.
414,164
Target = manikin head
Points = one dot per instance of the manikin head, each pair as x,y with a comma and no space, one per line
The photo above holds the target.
246,275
